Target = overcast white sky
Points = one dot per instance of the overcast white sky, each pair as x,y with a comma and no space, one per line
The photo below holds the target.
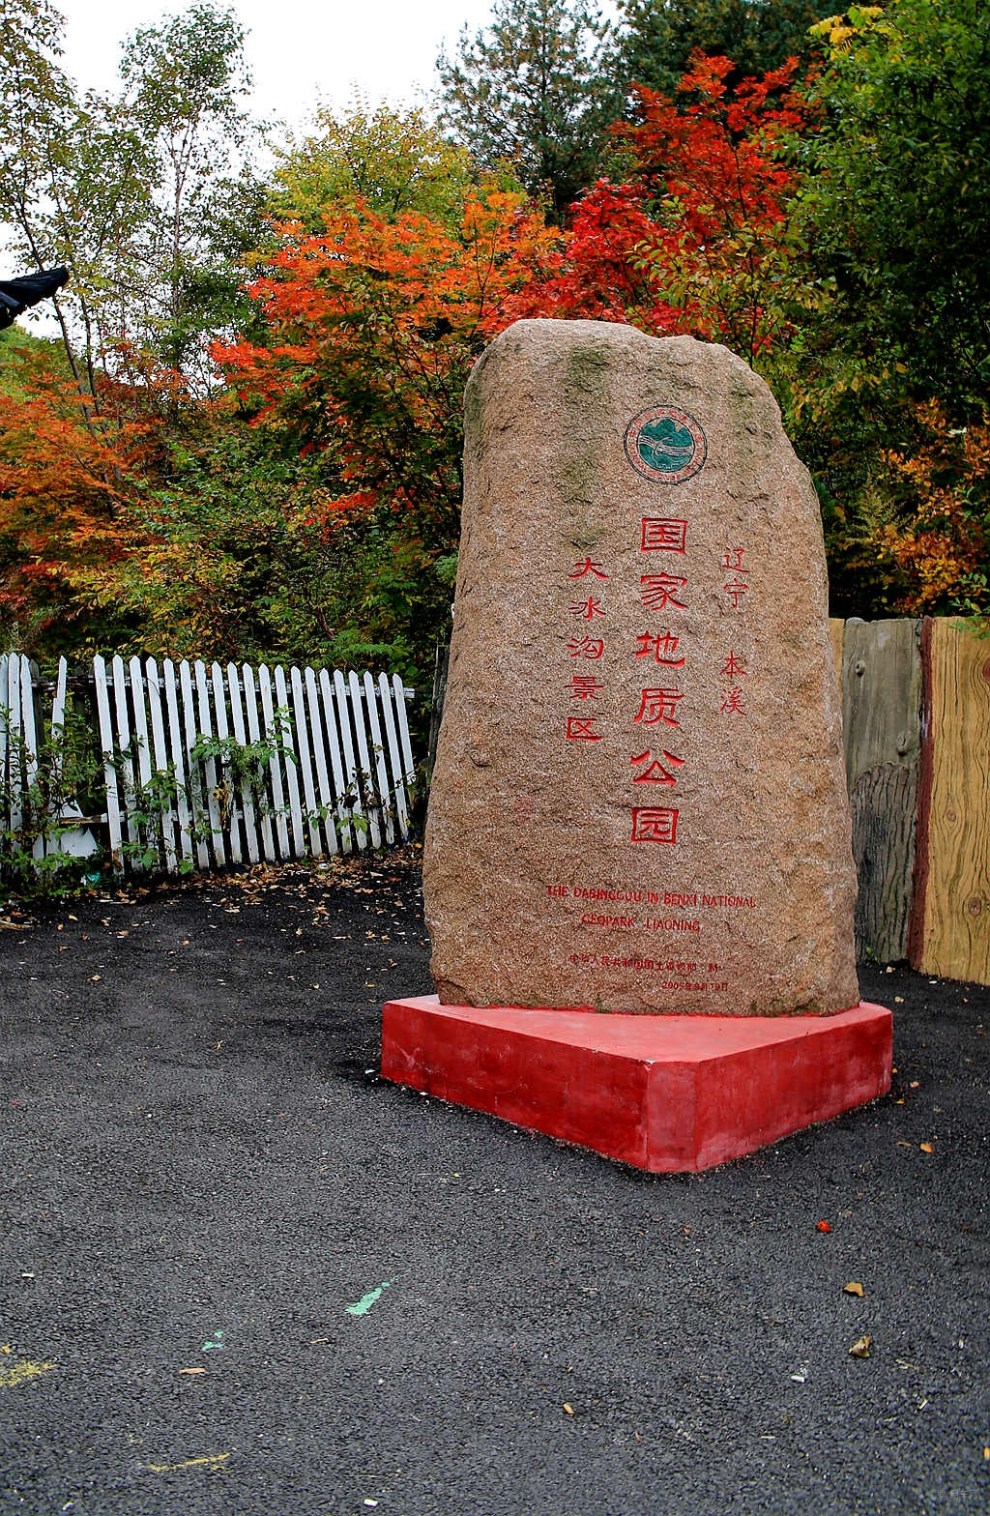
299,51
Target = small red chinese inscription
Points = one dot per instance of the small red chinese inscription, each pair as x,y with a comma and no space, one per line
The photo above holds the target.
586,647
585,610
654,824
732,702
663,534
733,667
653,770
735,587
658,706
584,687
582,729
587,567
658,591
660,647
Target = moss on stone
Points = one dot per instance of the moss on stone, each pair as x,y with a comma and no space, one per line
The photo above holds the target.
586,398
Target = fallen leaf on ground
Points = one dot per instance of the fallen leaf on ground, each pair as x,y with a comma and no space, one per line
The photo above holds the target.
568,1408
192,1371
926,1147
22,1373
853,1288
213,1461
823,1226
861,1347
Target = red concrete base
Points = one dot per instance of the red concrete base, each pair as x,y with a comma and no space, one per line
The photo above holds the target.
663,1093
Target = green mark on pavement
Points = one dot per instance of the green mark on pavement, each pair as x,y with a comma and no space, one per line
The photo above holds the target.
363,1306
216,1343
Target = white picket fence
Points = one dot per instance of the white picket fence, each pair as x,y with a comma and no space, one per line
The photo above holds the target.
206,766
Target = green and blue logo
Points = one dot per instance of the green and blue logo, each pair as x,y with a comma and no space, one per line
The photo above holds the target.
664,443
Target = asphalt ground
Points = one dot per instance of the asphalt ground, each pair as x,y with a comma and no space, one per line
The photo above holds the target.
240,1274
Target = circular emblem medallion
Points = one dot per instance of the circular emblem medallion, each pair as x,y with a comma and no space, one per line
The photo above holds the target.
666,444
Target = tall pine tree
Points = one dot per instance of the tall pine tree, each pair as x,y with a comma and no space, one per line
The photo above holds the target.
531,91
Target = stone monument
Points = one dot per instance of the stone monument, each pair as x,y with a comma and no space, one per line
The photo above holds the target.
639,803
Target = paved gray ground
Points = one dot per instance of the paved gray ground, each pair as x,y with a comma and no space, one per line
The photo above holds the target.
193,1154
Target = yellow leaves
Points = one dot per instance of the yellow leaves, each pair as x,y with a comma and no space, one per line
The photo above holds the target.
211,1462
840,31
22,1373
861,1347
853,1288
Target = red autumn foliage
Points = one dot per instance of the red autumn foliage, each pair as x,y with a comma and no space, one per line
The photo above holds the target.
71,467
698,239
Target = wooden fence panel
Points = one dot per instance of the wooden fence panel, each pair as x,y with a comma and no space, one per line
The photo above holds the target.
177,743
881,703
332,768
289,761
951,925
251,696
6,730
393,705
169,810
153,824
227,798
335,744
378,770
15,767
110,782
325,800
304,748
351,794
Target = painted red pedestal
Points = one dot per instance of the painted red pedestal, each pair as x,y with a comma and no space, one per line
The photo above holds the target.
663,1093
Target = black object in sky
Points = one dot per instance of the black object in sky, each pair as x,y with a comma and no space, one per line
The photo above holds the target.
17,294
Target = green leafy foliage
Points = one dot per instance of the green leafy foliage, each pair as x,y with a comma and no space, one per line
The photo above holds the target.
37,788
657,37
531,91
388,159
898,197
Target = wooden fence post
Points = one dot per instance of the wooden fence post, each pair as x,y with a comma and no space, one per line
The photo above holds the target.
881,702
950,929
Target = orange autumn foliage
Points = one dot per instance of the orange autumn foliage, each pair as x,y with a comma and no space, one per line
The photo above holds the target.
372,328
939,539
699,239
71,467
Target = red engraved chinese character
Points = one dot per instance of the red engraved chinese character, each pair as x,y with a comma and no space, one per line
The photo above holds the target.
654,824
586,647
658,705
586,609
732,702
733,667
733,559
661,647
654,771
662,534
735,589
584,687
657,591
587,567
582,729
